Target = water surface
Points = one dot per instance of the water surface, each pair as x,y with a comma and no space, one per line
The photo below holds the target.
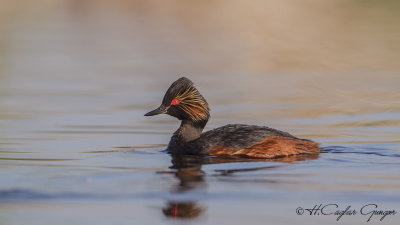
76,78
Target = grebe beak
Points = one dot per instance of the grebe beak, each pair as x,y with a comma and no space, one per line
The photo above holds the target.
159,110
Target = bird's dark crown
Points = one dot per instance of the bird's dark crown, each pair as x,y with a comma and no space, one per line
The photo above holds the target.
183,101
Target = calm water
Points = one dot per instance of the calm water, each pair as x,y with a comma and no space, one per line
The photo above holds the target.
76,78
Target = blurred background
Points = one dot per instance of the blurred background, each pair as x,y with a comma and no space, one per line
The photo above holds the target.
77,76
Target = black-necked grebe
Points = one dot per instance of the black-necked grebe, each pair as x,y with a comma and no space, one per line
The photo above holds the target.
184,102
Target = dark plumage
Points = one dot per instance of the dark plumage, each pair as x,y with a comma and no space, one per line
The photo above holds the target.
183,101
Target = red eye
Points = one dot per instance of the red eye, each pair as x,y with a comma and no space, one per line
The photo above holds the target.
175,101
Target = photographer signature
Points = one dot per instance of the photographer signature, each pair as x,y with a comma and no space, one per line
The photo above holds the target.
369,210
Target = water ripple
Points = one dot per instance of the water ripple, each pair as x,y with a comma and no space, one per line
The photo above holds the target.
364,151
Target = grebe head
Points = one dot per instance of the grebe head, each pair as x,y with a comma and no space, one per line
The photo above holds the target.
183,101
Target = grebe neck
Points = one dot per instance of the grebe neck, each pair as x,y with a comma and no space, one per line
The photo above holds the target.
188,131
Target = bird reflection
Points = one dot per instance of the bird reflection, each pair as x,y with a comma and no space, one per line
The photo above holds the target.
188,170
190,176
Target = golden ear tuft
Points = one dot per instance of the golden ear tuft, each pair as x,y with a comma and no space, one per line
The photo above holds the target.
193,104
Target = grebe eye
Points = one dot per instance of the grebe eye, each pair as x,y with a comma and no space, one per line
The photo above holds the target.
175,101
